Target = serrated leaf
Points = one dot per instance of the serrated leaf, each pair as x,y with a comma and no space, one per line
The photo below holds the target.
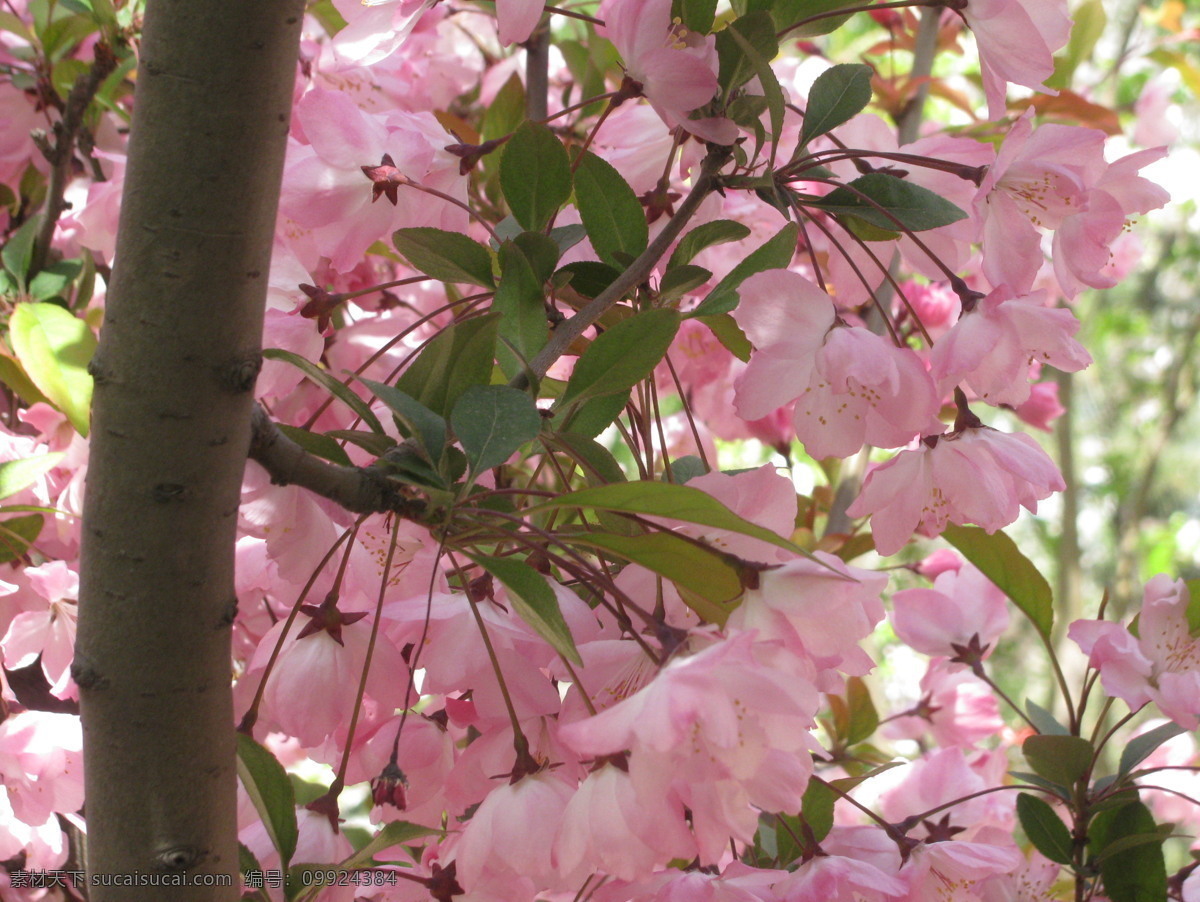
757,30
622,356
1003,563
838,95
535,175
597,463
492,422
54,349
1140,748
610,211
594,415
720,231
268,786
1043,720
677,282
1044,828
889,203
774,253
729,334
534,601
460,356
588,277
446,256
335,387
521,303
1060,759
316,443
19,474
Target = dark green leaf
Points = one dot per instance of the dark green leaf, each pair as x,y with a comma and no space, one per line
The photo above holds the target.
446,256
374,443
759,58
542,251
535,175
54,348
1045,722
414,418
589,277
720,231
774,253
315,443
610,211
1003,563
1044,828
597,463
890,203
817,809
864,719
594,415
492,422
696,15
622,356
268,786
460,356
534,601
716,304
686,468
679,281
729,334
788,12
521,303
54,279
335,387
1051,787
757,30
505,113
1139,748
1135,870
838,94
1060,759
17,252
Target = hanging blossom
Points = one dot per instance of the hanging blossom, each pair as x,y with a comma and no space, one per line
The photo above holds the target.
850,385
974,474
1161,664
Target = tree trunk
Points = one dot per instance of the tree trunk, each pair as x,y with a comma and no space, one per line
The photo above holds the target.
174,372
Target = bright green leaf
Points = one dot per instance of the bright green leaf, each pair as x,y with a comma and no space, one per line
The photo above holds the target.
18,474
1002,562
446,256
729,334
17,252
54,348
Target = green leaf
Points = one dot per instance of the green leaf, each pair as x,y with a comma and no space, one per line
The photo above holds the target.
335,387
1049,786
696,15
534,602
1193,607
535,175
686,468
415,418
18,474
1088,22
756,30
458,357
677,282
542,251
708,583
1140,748
729,334
521,303
1060,759
54,279
268,786
864,719
506,111
622,356
446,256
17,534
597,463
1129,851
774,253
760,62
720,231
1044,721
889,203
667,500
588,277
1002,562
1044,828
594,415
788,12
316,443
492,422
817,809
610,211
838,94
17,252
54,349
374,443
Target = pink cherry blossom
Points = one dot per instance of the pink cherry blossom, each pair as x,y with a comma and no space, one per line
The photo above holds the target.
977,475
962,604
1161,665
1017,40
49,631
832,878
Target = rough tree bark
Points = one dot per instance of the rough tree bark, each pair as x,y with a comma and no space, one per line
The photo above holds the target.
175,369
